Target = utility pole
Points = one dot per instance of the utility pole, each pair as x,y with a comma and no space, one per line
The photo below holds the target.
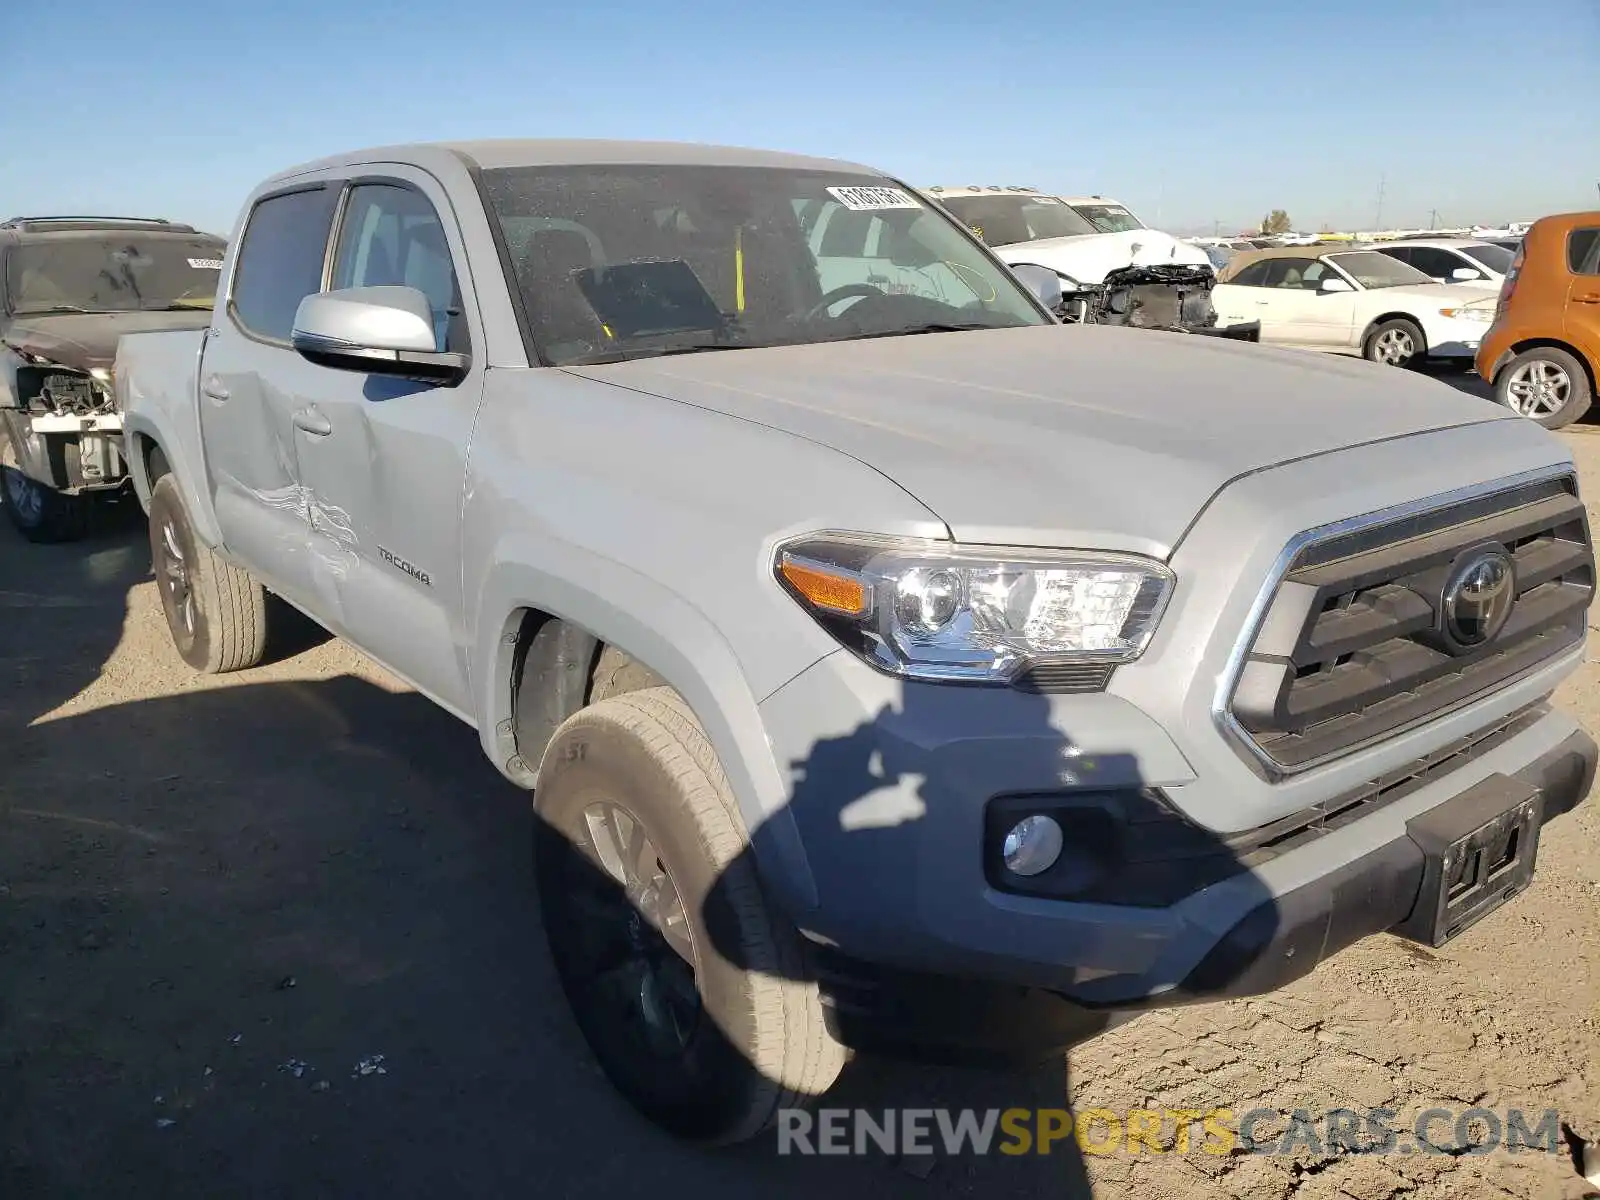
1216,228
1433,218
1382,181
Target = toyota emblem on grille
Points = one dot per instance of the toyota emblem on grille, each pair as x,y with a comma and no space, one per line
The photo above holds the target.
1477,598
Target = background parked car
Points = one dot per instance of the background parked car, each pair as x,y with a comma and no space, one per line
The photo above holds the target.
1353,302
1452,260
1543,351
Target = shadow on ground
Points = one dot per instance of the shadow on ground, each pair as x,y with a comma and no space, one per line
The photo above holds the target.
281,938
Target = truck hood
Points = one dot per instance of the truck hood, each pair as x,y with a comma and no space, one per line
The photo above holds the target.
84,341
1079,436
1090,257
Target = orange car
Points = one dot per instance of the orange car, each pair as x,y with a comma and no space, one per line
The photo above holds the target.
1543,351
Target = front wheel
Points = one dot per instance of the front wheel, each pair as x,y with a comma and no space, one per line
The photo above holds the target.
1546,385
693,993
38,512
1396,343
217,613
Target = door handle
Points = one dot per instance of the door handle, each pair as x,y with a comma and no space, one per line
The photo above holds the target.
1588,298
213,388
313,422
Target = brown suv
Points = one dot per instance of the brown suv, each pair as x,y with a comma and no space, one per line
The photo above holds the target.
1543,351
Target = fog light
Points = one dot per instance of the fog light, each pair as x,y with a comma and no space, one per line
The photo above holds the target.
1033,845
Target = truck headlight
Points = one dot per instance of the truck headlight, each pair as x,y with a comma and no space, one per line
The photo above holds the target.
937,610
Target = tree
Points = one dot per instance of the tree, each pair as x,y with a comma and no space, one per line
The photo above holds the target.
1276,221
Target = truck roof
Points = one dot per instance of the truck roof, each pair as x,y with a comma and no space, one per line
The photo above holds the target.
545,152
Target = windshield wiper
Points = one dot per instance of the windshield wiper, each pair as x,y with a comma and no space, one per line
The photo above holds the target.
55,308
931,327
616,356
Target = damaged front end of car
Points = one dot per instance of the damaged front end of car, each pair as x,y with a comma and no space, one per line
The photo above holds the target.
1164,296
63,421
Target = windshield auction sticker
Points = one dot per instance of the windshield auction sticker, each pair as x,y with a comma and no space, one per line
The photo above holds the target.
872,199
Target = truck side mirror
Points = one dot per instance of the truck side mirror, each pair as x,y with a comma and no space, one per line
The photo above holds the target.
1044,283
386,330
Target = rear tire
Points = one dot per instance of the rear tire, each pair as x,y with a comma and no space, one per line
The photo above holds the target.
1398,342
216,613
1545,385
709,1049
38,512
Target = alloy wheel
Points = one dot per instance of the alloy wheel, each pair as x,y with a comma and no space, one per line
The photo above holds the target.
173,576
635,958
1394,347
1538,388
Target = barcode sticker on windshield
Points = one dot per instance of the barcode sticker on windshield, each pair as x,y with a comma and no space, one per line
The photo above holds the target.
872,199
206,264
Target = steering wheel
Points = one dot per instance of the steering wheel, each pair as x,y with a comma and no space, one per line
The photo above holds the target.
844,292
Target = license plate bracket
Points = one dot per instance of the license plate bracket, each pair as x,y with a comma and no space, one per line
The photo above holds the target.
1479,850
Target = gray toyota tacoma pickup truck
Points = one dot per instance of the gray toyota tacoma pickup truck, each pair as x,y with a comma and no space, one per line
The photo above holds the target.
893,667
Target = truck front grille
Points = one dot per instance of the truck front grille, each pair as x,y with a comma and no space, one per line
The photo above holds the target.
1358,642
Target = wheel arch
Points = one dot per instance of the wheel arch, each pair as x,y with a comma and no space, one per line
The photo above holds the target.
155,454
1376,322
536,625
1549,343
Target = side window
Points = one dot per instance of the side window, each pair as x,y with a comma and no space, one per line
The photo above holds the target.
1287,272
1405,254
391,234
1435,263
280,260
1583,251
1255,275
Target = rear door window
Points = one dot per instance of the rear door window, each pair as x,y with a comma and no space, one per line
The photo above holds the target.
1583,251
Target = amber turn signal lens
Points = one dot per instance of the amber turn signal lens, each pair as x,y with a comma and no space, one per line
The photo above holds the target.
825,589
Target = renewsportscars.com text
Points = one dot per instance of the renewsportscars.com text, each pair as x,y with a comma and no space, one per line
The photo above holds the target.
1219,1131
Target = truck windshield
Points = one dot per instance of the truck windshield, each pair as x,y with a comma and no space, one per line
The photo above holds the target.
623,261
122,273
1108,218
1007,220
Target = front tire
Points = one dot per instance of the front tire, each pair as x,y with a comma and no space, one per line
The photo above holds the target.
1545,385
37,511
647,889
216,613
1396,343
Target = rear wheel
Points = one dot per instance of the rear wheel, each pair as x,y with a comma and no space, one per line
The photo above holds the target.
39,512
217,613
693,993
1546,385
1396,343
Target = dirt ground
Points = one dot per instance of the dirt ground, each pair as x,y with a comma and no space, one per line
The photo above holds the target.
220,898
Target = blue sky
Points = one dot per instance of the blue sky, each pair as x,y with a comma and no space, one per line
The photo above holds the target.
1190,113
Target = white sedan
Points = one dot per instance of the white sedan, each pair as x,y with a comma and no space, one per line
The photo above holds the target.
1452,260
1354,302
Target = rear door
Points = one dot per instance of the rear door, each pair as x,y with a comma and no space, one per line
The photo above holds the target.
252,383
1581,321
384,459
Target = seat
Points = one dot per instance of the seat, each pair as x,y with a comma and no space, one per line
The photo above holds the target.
546,270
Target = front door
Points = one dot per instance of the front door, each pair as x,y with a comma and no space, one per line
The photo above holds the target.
252,384
384,459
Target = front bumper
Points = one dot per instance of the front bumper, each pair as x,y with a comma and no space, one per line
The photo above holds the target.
919,947
1452,338
1244,331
